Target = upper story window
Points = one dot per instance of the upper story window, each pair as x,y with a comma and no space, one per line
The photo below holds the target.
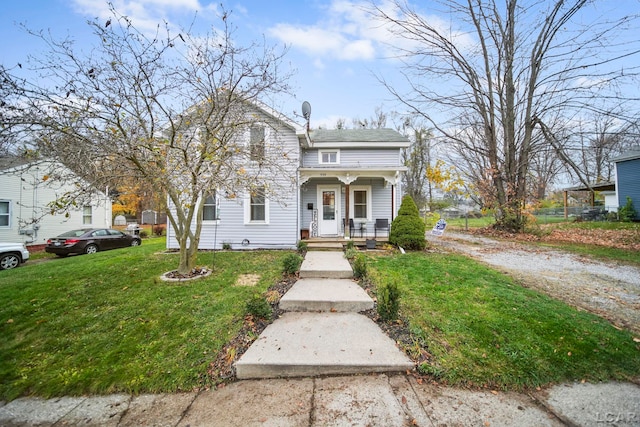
87,214
329,157
5,213
210,208
256,143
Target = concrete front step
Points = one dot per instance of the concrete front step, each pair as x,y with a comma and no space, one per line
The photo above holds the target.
329,265
325,246
342,295
314,344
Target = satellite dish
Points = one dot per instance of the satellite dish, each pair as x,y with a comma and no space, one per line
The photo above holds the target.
306,110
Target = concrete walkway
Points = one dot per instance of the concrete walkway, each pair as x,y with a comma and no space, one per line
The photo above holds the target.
363,400
322,334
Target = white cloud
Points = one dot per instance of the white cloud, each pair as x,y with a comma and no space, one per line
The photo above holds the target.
146,15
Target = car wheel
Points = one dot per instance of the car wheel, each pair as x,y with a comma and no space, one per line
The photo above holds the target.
135,242
90,249
9,261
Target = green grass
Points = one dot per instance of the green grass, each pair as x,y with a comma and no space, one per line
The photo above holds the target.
603,253
483,329
105,323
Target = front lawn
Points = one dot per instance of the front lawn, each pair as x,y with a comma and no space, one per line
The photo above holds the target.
481,328
105,323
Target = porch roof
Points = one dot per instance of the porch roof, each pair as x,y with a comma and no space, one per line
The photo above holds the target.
349,175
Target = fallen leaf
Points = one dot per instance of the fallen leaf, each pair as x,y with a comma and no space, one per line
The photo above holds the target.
10,321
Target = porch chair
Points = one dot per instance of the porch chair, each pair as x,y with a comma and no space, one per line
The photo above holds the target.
352,228
381,224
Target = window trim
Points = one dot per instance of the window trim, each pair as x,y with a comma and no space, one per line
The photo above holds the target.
247,210
352,199
335,150
8,214
216,204
264,143
90,215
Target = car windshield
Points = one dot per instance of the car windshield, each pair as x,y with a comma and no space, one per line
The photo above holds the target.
73,233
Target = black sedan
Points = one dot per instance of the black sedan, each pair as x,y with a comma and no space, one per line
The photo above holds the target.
89,241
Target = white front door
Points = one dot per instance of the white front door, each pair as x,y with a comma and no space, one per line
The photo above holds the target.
329,208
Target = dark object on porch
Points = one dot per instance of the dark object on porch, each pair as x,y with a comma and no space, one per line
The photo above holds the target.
371,243
304,234
381,224
352,227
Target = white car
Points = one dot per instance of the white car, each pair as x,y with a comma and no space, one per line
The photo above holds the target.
12,255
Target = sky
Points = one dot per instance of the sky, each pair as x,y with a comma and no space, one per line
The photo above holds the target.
333,48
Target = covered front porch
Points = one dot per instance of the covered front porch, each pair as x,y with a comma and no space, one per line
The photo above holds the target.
347,204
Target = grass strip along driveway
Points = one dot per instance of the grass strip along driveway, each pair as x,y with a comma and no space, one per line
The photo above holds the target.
480,328
105,323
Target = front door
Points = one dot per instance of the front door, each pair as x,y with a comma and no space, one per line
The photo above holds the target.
328,202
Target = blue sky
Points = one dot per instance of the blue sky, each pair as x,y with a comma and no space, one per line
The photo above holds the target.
335,47
332,45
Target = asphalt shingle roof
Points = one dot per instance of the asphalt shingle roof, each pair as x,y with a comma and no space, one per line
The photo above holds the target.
357,135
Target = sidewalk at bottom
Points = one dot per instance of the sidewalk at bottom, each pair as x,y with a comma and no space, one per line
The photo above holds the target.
367,400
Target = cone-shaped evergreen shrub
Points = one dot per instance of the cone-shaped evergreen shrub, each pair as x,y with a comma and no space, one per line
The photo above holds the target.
408,229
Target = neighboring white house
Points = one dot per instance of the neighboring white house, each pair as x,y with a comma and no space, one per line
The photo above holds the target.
27,191
346,180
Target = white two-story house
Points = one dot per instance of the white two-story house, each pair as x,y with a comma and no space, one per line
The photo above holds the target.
28,192
344,181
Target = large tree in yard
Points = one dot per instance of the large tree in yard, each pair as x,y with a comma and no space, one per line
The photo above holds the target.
503,81
171,109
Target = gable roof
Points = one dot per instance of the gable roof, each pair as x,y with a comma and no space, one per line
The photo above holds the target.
358,138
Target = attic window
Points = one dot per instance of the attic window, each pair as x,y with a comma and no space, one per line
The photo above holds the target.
329,157
256,143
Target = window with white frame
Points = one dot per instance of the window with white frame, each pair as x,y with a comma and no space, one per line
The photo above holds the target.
329,157
256,143
210,208
256,207
360,203
5,213
87,215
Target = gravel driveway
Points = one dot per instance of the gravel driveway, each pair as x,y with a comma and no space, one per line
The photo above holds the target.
607,289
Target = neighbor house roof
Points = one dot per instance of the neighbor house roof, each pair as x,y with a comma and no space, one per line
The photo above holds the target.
632,154
358,138
599,186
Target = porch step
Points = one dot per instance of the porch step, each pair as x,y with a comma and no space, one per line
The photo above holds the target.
334,295
328,265
324,246
313,344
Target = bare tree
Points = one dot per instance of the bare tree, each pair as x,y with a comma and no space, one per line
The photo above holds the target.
417,158
504,72
377,121
595,142
169,109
